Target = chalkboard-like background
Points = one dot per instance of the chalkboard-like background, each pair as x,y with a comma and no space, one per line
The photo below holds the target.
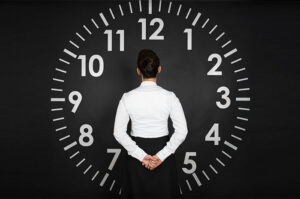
33,35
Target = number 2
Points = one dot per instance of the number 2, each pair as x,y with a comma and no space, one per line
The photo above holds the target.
213,70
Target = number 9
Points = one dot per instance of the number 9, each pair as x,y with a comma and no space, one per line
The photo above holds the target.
73,101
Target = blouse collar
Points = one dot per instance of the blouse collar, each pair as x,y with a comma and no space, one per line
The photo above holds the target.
148,83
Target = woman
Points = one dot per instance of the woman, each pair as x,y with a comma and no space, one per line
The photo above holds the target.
150,166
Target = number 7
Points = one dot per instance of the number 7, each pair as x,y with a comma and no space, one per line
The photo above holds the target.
114,160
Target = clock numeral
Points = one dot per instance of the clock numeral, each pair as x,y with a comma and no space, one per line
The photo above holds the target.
225,97
91,65
187,161
75,101
213,70
154,35
86,132
115,158
188,31
213,134
109,39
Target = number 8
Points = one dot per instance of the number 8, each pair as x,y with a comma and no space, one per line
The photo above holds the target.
87,134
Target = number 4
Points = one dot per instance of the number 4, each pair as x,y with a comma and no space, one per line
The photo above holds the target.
213,134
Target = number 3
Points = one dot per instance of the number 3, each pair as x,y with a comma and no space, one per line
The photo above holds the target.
225,97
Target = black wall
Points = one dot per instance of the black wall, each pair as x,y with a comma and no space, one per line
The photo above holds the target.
32,36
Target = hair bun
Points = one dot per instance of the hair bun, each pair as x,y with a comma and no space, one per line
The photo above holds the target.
147,63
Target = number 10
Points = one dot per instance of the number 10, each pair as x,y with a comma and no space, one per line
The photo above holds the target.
91,65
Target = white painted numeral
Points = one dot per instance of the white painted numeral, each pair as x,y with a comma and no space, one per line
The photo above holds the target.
109,39
189,161
189,38
225,97
122,41
213,134
114,160
213,70
92,70
86,133
143,23
75,101
154,35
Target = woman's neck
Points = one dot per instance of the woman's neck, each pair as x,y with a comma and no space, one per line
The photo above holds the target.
149,79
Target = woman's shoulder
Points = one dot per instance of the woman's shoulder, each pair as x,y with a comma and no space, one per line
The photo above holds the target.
165,91
158,89
168,92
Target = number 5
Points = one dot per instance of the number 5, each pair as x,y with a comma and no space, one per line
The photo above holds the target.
189,161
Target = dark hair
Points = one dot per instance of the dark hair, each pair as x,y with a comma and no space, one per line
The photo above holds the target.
148,63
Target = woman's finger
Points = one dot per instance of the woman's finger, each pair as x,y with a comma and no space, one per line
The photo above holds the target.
152,164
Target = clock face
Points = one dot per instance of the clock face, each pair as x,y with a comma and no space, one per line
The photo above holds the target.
199,63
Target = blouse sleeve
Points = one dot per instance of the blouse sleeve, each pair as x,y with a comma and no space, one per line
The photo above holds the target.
180,126
120,132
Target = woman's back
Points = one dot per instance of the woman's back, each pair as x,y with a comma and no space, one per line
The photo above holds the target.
149,107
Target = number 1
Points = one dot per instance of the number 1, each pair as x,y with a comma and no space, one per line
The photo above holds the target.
189,38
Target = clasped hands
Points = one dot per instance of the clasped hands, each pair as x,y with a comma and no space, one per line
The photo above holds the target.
151,162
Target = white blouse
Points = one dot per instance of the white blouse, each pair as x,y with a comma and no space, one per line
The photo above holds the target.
149,107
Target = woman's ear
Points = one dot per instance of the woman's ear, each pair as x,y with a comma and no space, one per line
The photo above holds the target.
159,69
138,71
